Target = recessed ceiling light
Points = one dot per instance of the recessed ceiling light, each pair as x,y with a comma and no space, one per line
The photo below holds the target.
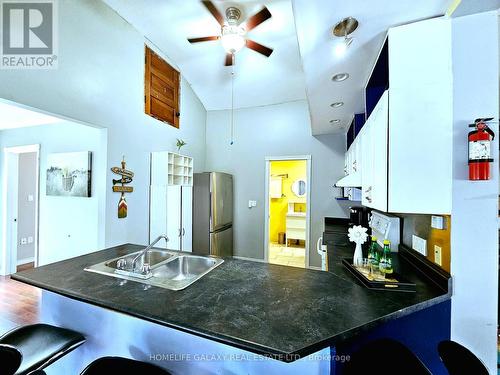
336,121
337,104
340,77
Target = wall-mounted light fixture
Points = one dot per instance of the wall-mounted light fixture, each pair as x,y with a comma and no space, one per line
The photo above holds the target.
342,29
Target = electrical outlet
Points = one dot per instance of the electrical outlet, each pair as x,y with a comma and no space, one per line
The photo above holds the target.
419,244
24,241
437,222
438,255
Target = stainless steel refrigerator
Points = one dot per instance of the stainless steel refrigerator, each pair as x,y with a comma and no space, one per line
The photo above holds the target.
213,214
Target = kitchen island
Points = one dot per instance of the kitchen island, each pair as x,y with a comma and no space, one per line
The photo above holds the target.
243,316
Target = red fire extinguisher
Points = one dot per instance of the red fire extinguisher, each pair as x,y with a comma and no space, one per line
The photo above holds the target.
480,149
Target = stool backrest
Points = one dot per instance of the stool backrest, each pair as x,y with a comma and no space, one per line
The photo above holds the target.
460,360
10,359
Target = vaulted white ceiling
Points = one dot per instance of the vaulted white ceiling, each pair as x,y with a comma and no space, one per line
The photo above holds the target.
258,80
303,61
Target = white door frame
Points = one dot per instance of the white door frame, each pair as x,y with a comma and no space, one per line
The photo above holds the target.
269,159
9,213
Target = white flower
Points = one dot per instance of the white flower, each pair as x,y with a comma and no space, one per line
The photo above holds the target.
358,234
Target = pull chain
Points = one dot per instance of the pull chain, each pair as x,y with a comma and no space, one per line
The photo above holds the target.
232,102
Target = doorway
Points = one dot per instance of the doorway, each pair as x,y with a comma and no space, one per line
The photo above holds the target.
21,202
287,210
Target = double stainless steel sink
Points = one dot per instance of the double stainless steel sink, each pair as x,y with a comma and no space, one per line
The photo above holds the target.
162,268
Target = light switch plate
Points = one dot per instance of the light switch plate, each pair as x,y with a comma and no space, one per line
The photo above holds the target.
24,241
30,198
419,244
438,255
252,204
30,239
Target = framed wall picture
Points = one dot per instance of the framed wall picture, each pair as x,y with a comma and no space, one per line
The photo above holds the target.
69,174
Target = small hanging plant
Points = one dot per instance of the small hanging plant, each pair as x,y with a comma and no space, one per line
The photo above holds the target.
179,144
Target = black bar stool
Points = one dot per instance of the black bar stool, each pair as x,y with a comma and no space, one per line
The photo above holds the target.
39,345
122,366
10,358
385,357
459,360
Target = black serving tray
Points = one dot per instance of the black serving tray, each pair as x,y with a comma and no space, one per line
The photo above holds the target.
403,285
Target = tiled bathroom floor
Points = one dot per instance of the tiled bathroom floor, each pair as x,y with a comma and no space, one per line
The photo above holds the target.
287,256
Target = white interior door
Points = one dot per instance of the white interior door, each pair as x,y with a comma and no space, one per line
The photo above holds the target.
187,218
12,211
174,228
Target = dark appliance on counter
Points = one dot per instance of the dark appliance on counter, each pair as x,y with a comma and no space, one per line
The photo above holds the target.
359,215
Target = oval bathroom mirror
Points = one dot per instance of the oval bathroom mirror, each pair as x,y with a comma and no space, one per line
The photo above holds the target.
299,188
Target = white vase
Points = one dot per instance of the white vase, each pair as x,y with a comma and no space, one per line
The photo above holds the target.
358,255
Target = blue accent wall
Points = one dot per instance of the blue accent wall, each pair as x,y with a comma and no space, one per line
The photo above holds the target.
420,332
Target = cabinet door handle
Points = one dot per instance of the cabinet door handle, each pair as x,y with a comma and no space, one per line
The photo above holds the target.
354,167
180,232
183,232
368,190
368,199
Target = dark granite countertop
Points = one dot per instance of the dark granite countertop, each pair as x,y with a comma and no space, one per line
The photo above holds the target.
266,309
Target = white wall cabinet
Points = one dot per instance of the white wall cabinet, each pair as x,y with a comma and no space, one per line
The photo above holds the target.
420,117
404,150
373,142
171,201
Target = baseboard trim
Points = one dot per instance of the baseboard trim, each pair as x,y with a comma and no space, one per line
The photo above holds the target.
20,262
314,268
250,259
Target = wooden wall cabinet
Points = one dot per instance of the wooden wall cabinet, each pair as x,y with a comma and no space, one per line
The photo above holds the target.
161,89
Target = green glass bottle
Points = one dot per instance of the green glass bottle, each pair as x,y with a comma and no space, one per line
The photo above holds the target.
385,263
373,254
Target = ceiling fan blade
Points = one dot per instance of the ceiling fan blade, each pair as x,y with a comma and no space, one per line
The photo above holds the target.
229,59
203,39
258,18
257,47
212,9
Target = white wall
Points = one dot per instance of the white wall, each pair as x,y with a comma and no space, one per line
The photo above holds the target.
474,230
68,226
277,130
100,80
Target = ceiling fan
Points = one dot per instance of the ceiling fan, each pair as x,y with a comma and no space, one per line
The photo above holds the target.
233,35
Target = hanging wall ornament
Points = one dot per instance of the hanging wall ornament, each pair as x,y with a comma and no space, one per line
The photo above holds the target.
119,187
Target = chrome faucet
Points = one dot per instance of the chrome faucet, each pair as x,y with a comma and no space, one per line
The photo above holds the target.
146,268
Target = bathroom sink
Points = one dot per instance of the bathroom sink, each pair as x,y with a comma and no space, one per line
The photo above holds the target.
167,269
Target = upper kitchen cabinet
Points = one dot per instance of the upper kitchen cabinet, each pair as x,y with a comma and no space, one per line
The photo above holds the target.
420,117
161,89
374,156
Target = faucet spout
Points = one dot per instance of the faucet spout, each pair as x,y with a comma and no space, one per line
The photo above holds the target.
149,247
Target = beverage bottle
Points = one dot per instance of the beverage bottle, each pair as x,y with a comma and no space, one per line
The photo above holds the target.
373,254
385,263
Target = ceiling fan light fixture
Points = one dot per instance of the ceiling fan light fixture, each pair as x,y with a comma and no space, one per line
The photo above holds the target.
233,38
336,121
337,104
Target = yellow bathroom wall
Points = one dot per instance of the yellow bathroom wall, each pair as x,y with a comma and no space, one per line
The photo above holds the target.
296,169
